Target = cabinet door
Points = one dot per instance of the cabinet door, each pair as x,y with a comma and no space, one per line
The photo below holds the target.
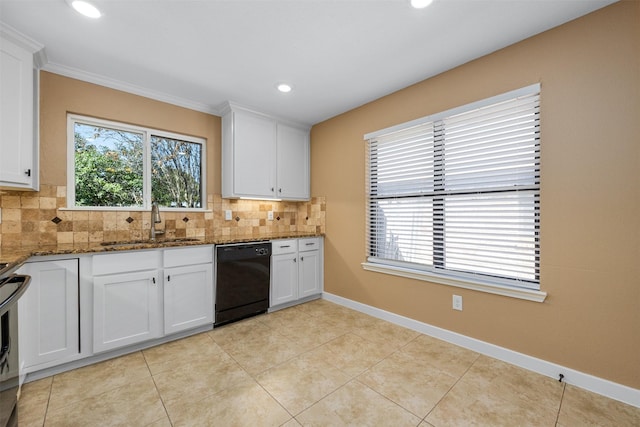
284,279
309,273
188,297
16,116
292,163
126,309
49,314
254,148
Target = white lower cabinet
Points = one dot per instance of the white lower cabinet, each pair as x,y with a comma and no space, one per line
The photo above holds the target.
127,299
49,314
296,270
142,295
188,289
309,272
126,309
79,308
284,276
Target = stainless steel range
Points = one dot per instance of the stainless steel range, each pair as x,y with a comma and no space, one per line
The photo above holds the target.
12,286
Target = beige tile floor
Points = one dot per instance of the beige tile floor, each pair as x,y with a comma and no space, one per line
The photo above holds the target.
317,364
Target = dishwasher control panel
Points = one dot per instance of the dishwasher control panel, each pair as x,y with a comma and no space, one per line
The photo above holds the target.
262,251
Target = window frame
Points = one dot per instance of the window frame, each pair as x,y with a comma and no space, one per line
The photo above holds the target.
147,133
437,274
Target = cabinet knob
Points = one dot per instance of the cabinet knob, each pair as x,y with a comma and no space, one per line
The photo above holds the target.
294,260
301,258
280,190
154,280
27,172
168,278
272,189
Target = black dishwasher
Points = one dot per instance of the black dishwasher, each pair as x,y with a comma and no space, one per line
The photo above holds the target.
242,281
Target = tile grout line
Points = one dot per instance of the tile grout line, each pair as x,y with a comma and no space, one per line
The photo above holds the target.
209,334
420,420
352,378
564,388
451,388
258,373
46,411
254,378
248,373
156,387
276,400
356,377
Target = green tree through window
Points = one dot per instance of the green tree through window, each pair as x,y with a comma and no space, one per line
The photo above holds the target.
108,167
175,172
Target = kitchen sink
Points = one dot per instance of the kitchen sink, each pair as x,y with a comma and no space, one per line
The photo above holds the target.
147,242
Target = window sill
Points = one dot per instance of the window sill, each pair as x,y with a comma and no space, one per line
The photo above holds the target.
519,293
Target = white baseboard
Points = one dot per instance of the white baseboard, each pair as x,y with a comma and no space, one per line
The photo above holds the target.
597,385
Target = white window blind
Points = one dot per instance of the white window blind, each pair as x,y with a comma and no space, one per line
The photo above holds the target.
457,193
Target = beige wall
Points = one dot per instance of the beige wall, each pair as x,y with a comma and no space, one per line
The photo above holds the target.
590,197
61,95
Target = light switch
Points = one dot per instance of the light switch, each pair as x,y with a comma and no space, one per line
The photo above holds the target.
227,215
270,215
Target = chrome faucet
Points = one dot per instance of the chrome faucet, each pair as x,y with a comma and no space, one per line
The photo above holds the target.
155,219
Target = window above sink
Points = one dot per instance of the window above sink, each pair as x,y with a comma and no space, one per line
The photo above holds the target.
115,165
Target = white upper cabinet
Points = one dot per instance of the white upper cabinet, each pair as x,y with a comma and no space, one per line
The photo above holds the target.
292,163
248,155
262,157
18,112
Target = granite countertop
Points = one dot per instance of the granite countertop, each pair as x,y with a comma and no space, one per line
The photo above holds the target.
14,257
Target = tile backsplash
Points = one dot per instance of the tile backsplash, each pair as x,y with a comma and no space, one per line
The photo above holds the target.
40,218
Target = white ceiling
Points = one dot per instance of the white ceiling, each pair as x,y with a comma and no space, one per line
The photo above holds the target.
337,54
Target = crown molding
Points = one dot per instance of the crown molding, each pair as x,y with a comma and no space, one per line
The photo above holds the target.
17,37
100,80
229,106
31,45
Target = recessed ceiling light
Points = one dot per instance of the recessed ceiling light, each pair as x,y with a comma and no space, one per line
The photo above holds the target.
284,88
420,4
85,8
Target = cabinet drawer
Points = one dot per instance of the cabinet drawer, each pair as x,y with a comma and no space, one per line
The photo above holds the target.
125,261
284,246
187,256
309,244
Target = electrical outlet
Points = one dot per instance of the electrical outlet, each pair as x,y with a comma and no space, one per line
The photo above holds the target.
457,302
227,215
270,215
